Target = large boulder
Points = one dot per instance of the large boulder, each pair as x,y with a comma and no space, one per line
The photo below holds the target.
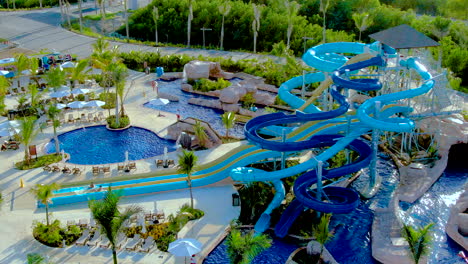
196,70
230,107
204,102
264,98
229,95
205,69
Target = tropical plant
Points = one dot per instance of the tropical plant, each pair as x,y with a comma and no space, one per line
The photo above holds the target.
27,134
127,30
187,163
291,8
22,63
200,133
242,249
119,74
44,193
35,95
55,77
52,114
322,233
324,4
155,19
107,214
362,22
440,28
224,9
4,85
79,72
36,258
419,240
229,120
255,25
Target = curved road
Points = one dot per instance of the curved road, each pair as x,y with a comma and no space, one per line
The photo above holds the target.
40,29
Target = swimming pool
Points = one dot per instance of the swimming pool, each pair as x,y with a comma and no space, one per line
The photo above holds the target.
184,109
98,145
278,253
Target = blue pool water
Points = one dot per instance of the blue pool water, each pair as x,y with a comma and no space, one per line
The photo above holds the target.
352,238
185,110
98,145
278,253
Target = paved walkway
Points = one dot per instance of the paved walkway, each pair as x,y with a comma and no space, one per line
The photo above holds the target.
40,29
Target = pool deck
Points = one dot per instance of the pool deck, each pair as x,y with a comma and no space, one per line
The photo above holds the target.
19,203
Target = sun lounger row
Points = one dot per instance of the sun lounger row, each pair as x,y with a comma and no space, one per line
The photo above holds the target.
164,163
85,119
98,169
66,170
99,239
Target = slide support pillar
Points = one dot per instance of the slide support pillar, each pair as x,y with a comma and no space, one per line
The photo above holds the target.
283,154
375,142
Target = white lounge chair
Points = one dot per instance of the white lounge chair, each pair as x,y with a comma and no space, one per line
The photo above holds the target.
95,240
121,240
105,243
134,242
148,245
83,238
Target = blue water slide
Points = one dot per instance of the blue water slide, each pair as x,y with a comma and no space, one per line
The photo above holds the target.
396,124
256,124
325,57
295,102
339,199
264,221
363,84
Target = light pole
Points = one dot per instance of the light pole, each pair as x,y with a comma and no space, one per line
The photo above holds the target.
305,40
204,29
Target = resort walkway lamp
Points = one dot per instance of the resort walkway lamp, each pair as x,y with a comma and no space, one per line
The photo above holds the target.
204,29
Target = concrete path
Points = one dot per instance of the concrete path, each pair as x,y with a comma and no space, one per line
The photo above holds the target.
40,29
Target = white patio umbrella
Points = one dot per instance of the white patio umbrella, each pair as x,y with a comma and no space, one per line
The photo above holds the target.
77,104
68,64
59,94
185,247
95,103
126,156
7,74
143,224
79,91
10,124
60,106
158,101
8,132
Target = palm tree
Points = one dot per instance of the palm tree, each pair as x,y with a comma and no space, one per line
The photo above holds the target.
79,72
44,193
242,249
53,113
107,214
292,8
224,9
155,19
228,119
200,133
189,21
127,30
255,25
55,77
187,164
80,17
119,75
4,84
324,4
35,95
419,240
362,22
322,233
27,134
22,63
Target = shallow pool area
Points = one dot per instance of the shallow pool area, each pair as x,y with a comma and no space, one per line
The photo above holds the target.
278,253
98,145
184,109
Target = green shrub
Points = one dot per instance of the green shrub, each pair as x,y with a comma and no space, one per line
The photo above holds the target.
48,235
39,162
206,85
80,97
248,100
279,101
109,99
124,121
164,241
194,213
